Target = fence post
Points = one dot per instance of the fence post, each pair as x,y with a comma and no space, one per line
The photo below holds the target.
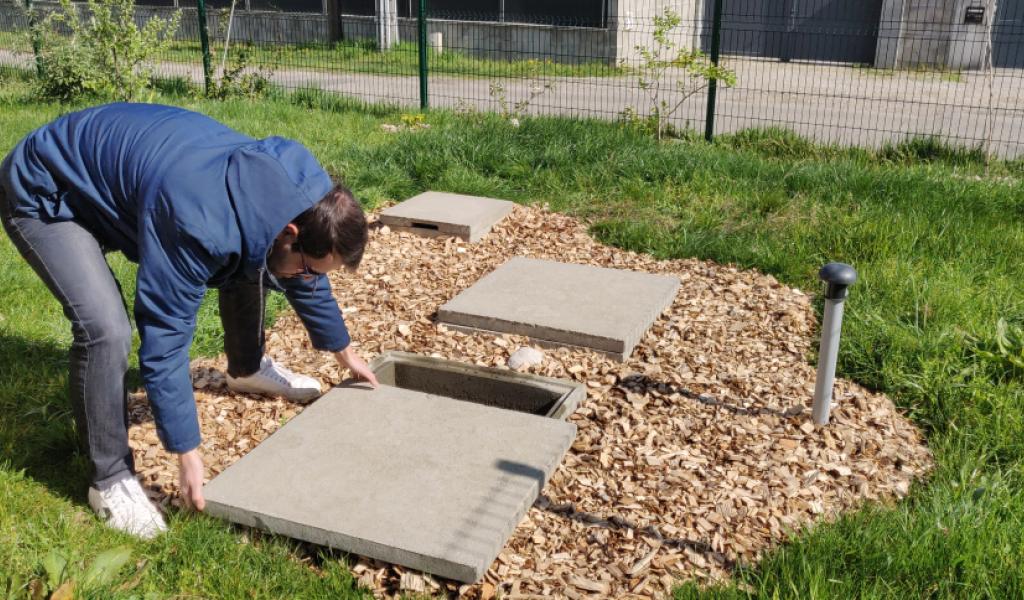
716,39
204,39
35,36
421,40
334,29
786,40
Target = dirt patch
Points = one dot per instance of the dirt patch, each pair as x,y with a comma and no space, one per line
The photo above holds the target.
694,455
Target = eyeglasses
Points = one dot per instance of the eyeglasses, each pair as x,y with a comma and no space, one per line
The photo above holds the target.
307,274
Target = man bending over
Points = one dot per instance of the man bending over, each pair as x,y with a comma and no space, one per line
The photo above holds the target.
196,205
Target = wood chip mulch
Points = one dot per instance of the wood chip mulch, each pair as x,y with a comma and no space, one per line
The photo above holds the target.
695,455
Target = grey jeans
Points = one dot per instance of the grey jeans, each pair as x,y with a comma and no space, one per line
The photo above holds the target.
70,261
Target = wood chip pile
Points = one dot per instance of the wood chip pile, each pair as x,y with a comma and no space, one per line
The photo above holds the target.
694,455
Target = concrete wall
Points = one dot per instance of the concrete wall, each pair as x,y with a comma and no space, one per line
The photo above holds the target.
500,41
890,31
266,27
925,39
632,22
931,33
967,42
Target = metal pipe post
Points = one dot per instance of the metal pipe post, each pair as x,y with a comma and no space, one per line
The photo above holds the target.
716,40
387,24
839,278
35,36
204,39
335,31
422,39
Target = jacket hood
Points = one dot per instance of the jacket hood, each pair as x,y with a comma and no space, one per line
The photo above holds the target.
270,183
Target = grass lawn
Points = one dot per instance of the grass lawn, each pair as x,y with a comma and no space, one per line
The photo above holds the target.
937,242
919,72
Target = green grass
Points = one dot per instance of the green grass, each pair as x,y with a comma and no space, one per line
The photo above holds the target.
361,56
935,234
917,72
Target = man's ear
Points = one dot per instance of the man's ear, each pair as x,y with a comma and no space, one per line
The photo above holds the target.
289,234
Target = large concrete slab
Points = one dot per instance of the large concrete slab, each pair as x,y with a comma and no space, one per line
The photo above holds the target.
424,481
564,304
441,213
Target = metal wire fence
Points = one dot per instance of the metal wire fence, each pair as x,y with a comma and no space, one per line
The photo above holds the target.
849,72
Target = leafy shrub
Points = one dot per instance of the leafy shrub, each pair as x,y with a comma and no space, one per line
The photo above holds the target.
237,79
537,86
104,54
240,81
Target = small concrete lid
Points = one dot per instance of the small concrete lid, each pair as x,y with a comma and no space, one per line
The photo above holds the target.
443,213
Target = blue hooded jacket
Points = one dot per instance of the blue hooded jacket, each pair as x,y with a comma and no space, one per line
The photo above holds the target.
195,204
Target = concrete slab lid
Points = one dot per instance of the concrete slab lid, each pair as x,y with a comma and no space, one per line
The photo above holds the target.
423,481
559,303
443,213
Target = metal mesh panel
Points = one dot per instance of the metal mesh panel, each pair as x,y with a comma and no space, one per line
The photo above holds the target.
853,72
359,7
302,6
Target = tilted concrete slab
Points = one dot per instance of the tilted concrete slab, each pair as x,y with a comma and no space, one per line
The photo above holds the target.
564,304
441,213
424,481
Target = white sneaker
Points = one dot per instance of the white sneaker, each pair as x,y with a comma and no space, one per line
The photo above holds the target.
274,380
126,507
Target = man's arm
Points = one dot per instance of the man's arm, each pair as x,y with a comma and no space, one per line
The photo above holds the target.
316,306
170,285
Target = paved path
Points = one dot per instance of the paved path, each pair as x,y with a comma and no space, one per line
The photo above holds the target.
829,103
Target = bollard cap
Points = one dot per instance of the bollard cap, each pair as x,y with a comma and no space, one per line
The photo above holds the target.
838,273
838,276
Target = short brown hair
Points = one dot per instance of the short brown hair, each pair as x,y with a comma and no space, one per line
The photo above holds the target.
334,224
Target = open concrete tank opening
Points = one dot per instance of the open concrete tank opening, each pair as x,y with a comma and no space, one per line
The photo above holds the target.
541,396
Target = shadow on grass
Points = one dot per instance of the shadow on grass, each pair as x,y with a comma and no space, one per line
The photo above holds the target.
37,427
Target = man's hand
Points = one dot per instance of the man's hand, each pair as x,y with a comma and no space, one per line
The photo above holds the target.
190,479
349,358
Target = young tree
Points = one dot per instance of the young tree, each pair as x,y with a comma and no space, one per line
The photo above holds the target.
692,69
